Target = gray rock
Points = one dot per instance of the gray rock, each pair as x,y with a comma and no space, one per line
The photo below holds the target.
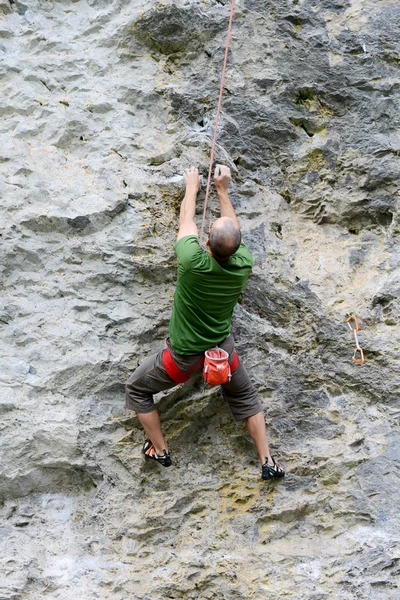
103,107
5,6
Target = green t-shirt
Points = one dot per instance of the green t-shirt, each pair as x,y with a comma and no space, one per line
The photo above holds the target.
205,295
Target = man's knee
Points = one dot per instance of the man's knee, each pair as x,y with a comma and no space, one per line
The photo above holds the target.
138,391
136,399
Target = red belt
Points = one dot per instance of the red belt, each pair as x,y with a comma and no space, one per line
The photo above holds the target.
174,372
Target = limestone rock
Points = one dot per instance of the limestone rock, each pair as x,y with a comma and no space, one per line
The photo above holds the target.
103,106
5,6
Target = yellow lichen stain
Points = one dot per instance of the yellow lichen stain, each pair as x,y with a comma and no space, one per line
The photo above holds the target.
243,500
126,439
172,197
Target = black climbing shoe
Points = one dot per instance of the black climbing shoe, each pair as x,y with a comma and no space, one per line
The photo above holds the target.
272,471
150,452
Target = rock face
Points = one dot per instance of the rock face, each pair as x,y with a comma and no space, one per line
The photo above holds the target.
103,106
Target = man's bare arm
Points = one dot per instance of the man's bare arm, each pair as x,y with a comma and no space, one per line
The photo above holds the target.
222,178
187,226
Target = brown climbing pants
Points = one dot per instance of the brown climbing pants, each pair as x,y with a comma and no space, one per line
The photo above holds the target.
151,377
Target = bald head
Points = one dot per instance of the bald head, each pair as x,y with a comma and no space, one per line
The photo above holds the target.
225,238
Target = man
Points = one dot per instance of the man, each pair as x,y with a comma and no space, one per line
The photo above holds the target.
208,287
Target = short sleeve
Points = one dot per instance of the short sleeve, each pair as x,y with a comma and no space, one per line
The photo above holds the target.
243,256
188,251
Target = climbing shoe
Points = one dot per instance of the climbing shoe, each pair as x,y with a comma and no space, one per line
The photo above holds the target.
150,452
272,471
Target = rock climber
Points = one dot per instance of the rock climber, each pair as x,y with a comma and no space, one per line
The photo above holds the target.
208,287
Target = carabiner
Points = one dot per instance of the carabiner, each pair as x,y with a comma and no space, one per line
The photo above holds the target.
361,360
352,318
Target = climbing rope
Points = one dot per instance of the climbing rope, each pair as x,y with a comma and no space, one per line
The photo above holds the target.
358,356
228,37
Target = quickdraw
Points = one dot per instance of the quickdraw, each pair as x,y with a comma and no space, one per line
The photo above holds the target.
358,356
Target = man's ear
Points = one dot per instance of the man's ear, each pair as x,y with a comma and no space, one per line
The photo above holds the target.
208,243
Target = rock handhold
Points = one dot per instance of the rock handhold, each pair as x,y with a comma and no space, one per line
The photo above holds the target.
171,30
